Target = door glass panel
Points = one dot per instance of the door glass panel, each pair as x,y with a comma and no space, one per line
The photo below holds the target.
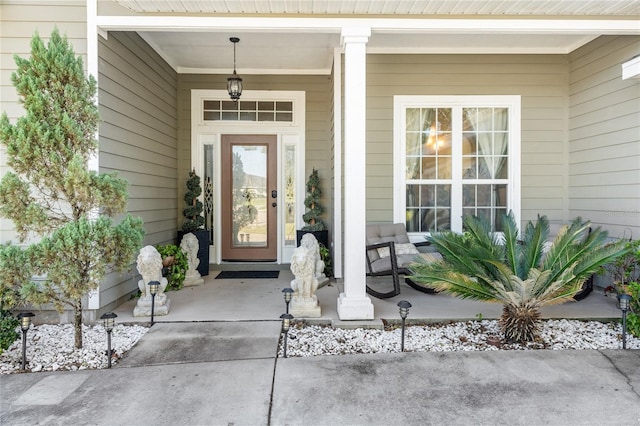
290,195
208,191
249,192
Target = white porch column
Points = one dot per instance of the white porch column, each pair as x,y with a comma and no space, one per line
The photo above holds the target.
354,304
92,69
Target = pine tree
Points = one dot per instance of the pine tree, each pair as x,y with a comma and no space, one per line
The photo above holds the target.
51,193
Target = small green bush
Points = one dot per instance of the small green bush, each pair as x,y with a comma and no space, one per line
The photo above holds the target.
633,324
8,326
325,254
176,272
633,317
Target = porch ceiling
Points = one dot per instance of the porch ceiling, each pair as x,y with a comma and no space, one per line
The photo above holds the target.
392,7
295,36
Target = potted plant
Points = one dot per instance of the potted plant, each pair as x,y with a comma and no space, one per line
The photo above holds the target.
312,217
194,221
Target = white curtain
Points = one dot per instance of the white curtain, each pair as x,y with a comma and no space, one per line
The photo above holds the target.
492,144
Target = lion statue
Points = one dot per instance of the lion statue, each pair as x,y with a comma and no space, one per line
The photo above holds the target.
303,267
190,246
150,267
311,244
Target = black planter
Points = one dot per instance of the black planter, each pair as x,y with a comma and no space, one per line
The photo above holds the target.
321,236
203,250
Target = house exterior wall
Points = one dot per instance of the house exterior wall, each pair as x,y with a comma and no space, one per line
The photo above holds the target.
541,80
604,136
318,139
18,23
138,139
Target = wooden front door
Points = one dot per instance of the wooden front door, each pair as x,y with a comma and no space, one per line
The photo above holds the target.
249,198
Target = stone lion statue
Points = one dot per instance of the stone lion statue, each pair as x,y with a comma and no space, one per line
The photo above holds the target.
303,267
150,267
190,246
311,244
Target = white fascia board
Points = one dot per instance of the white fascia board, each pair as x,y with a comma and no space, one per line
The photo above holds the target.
334,25
484,50
254,71
631,68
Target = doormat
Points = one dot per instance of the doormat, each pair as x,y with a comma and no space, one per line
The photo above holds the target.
247,274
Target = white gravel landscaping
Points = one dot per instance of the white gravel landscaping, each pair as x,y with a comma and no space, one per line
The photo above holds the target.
51,347
306,340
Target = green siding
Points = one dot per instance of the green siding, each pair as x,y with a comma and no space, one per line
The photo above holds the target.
541,80
138,139
18,23
604,136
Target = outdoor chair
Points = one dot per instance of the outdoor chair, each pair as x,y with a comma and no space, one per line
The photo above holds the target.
390,252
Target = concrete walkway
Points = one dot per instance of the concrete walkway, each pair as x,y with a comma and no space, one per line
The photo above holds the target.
212,361
227,373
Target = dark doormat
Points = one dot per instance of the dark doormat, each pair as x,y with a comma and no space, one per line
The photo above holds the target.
247,274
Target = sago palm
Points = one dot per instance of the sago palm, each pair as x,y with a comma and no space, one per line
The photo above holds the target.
516,270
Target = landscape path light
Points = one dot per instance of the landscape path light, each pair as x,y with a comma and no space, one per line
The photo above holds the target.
404,306
286,324
288,294
154,286
623,303
25,322
109,322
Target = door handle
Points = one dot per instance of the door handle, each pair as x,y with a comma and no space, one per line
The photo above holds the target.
274,194
274,204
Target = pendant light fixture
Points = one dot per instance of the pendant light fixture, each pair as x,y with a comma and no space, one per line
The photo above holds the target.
234,82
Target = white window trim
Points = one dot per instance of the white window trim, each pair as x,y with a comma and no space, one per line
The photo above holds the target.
401,103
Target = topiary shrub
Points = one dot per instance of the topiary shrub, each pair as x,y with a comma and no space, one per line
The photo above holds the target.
193,211
312,203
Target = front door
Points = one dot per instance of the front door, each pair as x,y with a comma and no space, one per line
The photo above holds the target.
249,198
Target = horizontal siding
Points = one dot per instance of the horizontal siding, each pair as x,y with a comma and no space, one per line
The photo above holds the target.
138,139
541,81
318,95
604,136
18,23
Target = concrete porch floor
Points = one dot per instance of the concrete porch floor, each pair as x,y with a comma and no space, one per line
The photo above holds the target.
262,299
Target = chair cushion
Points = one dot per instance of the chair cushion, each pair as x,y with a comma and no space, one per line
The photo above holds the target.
404,260
384,233
401,248
395,232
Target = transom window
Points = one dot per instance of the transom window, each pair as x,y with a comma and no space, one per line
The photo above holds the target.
453,156
226,110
